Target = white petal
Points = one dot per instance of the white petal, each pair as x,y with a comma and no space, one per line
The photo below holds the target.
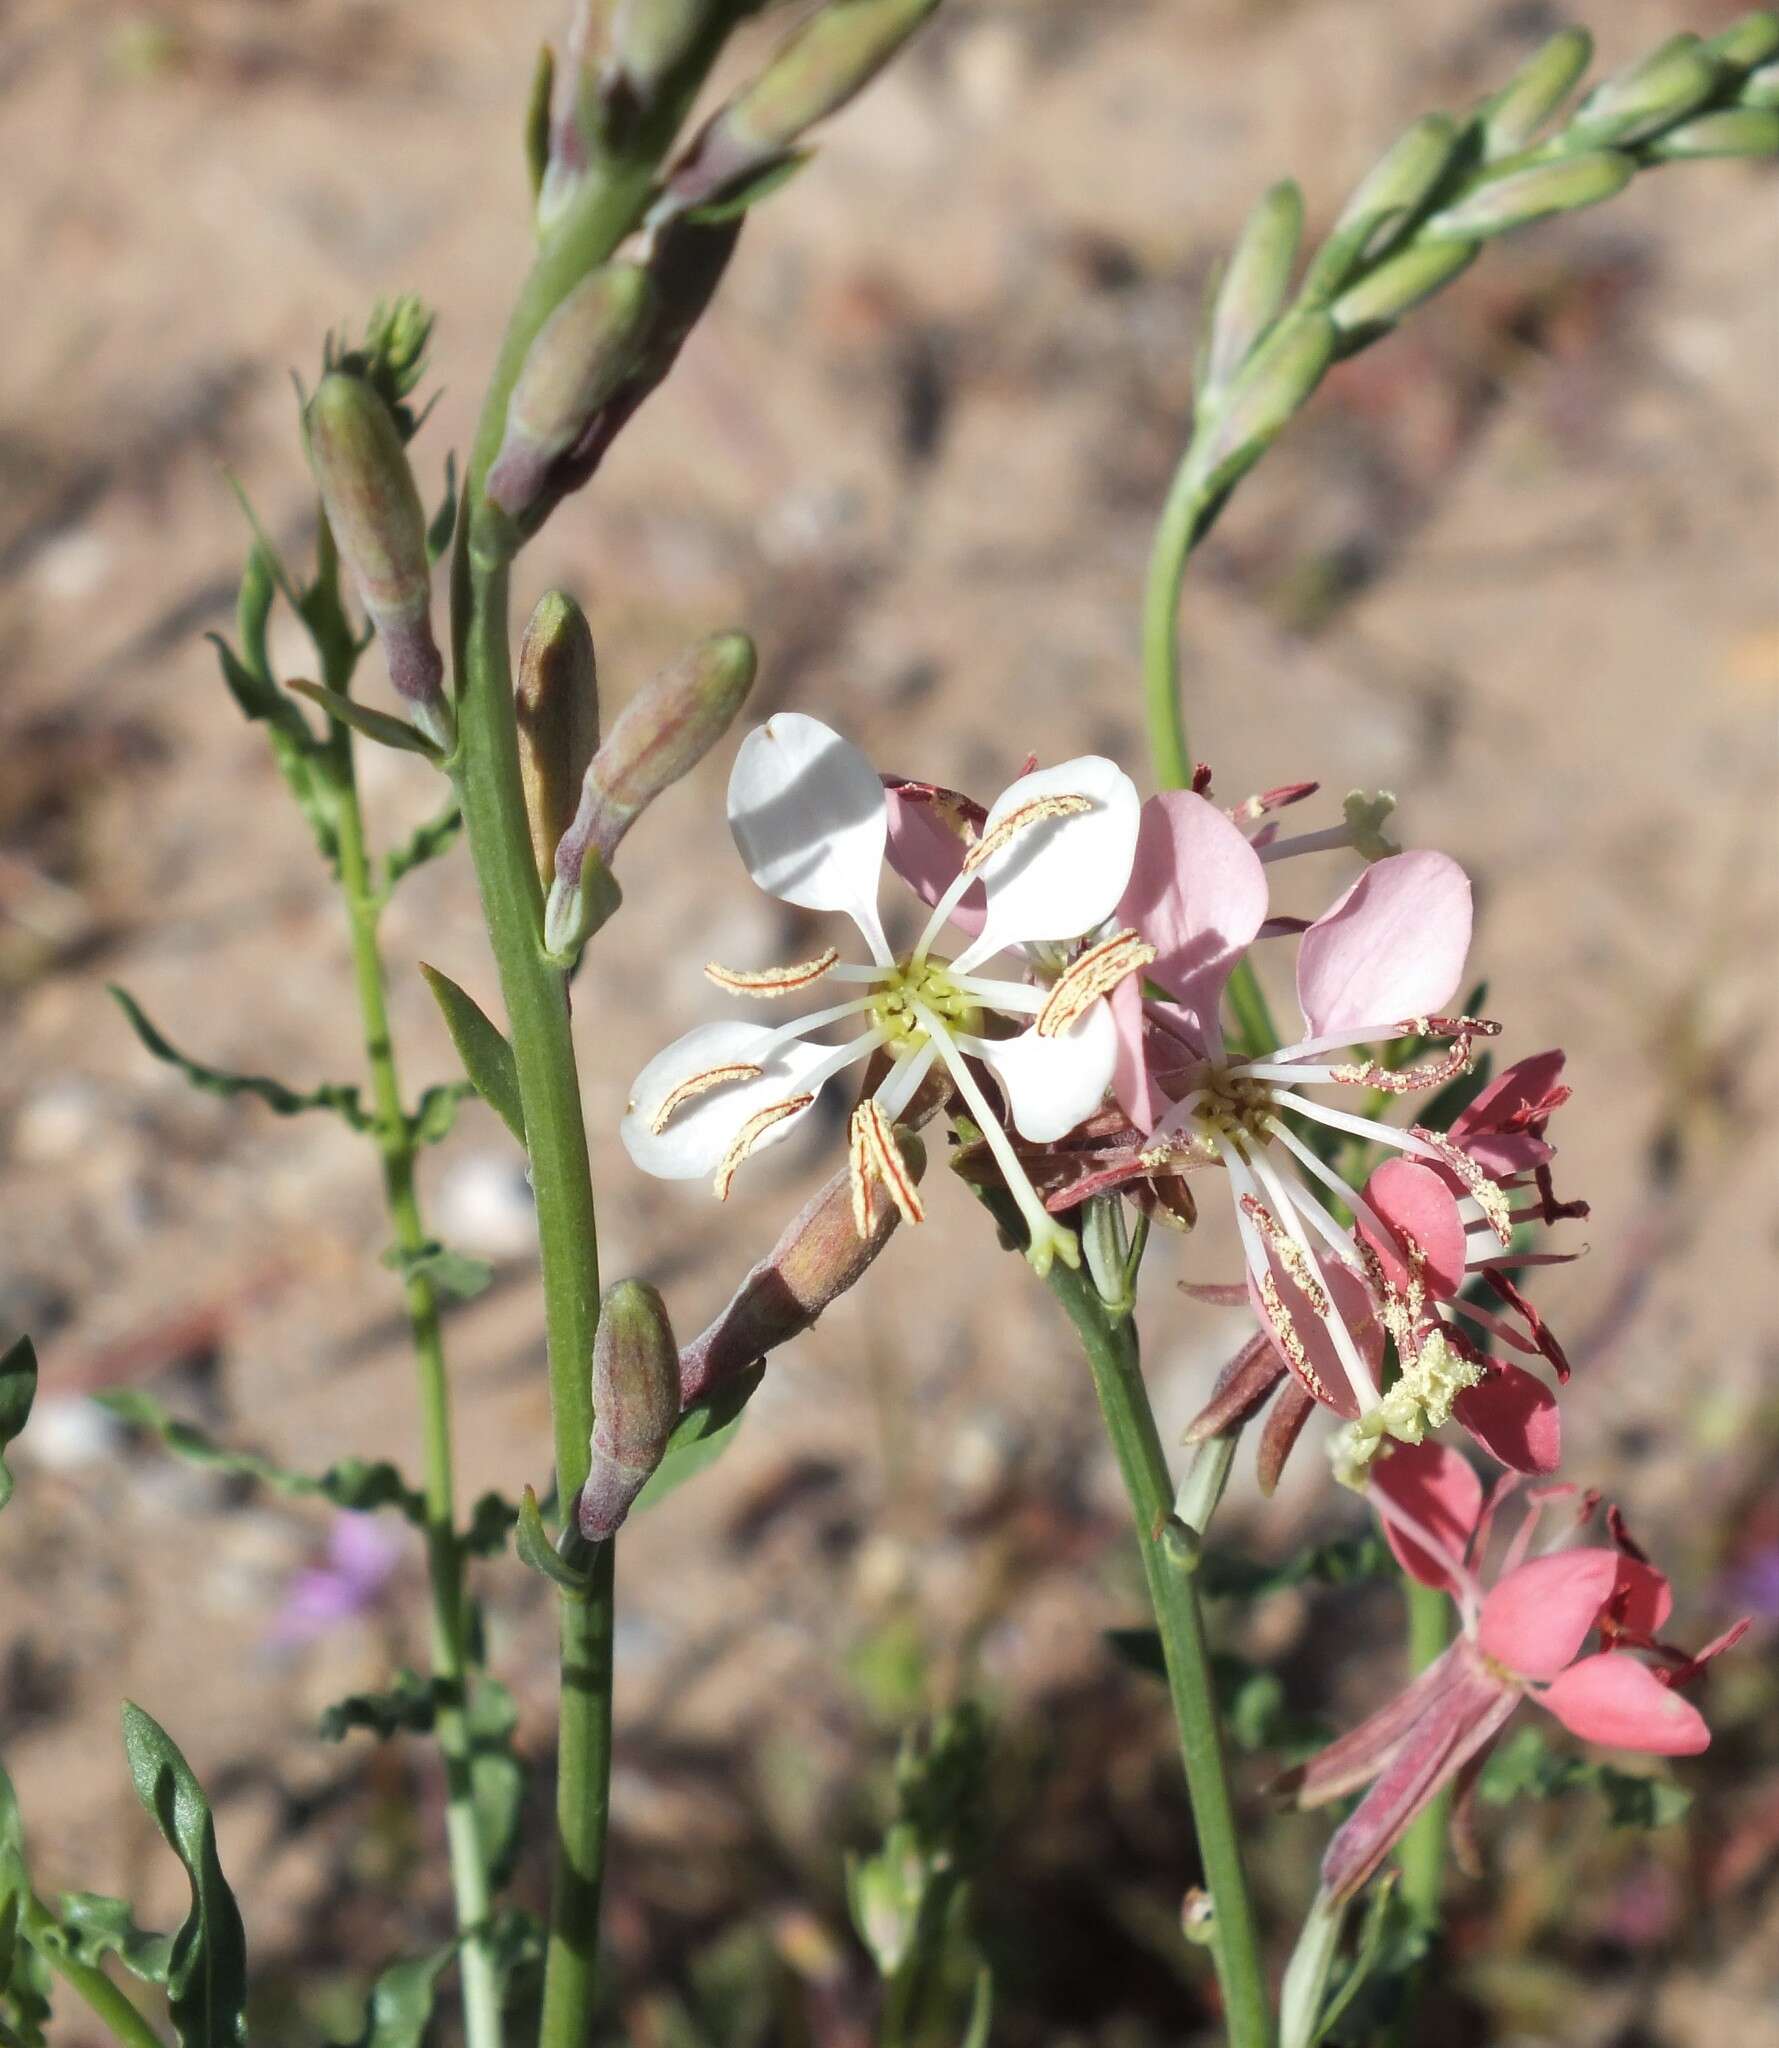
698,1135
1059,877
1053,1084
810,819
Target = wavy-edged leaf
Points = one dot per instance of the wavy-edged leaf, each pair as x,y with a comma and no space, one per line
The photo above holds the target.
490,1523
342,1099
700,1437
207,1968
435,1114
401,2002
356,1483
1341,1561
367,723
91,1927
409,1707
426,842
497,1777
447,1272
18,1389
486,1055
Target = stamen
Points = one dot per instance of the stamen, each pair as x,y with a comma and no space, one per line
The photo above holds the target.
1448,1027
773,981
697,1084
858,1170
1032,812
1096,973
1457,1059
883,1157
1290,1254
750,1134
1488,1196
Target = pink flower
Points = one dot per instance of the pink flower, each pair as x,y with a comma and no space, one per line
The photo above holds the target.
1522,1638
361,1558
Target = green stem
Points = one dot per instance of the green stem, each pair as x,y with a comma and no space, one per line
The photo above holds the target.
1423,1848
1169,1554
103,1998
444,1554
1182,520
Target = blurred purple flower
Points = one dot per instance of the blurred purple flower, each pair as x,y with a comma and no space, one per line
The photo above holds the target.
361,1558
1753,1582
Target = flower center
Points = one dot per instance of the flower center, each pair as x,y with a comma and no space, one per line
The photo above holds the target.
926,983
1233,1106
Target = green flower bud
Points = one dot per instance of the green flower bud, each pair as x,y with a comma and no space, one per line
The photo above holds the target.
1254,285
1733,131
1515,114
575,909
373,508
1761,88
1398,285
1278,380
579,357
635,1403
818,1257
1565,185
1640,102
1384,207
834,55
885,1893
557,704
662,733
651,39
1747,42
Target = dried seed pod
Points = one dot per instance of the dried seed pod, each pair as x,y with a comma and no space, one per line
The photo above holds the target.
557,703
635,1403
373,507
819,1256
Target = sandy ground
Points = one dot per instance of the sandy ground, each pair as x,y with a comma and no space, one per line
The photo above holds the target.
1516,565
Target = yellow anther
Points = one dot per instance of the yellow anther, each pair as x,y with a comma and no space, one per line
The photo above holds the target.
750,1135
1489,1196
773,981
1016,821
1096,973
697,1084
887,1162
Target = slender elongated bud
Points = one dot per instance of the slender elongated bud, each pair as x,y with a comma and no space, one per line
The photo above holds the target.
1254,286
651,39
1732,131
1384,207
1564,185
1515,114
1279,378
556,701
579,357
1747,42
1640,102
373,507
835,54
635,1403
1398,285
661,734
819,1256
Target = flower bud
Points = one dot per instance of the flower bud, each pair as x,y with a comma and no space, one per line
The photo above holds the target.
662,733
1398,285
1748,42
651,39
819,1256
835,54
1515,114
1278,379
557,705
577,359
1564,185
635,1403
1761,88
1732,131
886,1893
1386,202
373,508
1254,285
1640,102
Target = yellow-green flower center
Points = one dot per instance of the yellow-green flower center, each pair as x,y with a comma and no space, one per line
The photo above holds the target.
927,983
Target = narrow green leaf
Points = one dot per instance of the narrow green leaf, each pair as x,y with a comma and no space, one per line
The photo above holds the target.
982,2010
537,118
355,1483
92,1927
532,1541
341,1099
1366,1956
371,725
409,1707
447,1272
701,1437
444,520
487,1057
427,842
497,1777
435,1114
401,2002
18,1389
207,1968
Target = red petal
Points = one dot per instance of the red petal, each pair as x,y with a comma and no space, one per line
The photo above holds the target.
1513,1415
1437,1489
1421,1215
1538,1617
1612,1699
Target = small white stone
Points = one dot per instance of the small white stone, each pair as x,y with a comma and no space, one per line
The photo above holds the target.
484,1205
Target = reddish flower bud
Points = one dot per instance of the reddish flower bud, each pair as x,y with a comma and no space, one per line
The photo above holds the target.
557,703
635,1403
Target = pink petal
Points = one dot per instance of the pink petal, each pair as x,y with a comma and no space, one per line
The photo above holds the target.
1492,1130
1612,1699
1392,948
1642,1600
1438,1489
1305,1345
1131,1085
1197,893
1538,1617
1353,1758
1513,1415
1425,1228
926,852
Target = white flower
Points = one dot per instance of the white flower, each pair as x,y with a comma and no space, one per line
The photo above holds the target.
811,820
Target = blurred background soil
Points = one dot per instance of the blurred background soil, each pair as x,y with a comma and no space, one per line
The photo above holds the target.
1517,565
